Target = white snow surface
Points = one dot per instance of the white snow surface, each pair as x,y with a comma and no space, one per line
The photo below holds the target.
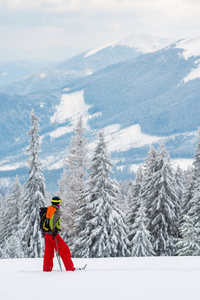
70,107
190,46
43,75
14,166
145,43
60,131
127,138
117,139
195,72
145,278
96,50
183,163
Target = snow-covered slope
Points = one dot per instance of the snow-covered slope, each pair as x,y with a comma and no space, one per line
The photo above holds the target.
190,49
62,74
87,63
146,43
153,278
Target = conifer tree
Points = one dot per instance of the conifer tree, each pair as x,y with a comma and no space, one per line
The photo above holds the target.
195,200
188,244
180,181
11,215
73,179
124,194
15,205
82,231
195,204
105,232
1,226
188,192
7,216
34,196
190,228
1,200
13,246
134,198
196,162
141,242
161,202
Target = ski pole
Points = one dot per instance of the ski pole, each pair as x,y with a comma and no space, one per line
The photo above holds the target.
58,255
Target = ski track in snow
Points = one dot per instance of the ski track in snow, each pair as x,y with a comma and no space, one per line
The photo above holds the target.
152,278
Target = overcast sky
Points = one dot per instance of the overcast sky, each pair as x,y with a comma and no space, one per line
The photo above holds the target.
57,29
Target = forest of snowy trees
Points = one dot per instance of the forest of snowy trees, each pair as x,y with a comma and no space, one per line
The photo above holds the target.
157,214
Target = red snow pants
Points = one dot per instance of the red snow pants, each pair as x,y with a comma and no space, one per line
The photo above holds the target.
63,249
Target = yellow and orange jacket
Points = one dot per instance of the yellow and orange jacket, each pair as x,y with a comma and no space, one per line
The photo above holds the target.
53,214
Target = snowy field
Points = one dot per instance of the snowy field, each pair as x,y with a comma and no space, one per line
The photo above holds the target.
153,278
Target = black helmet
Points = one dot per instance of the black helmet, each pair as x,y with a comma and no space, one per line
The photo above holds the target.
56,200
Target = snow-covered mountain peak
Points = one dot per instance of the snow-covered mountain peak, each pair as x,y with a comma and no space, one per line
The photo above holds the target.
95,50
191,47
145,43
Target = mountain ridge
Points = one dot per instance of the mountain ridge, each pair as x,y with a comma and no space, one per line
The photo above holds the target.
126,94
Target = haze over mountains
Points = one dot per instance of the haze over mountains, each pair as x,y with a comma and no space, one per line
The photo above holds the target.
143,90
11,71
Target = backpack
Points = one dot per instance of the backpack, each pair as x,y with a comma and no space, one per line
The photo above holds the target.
45,220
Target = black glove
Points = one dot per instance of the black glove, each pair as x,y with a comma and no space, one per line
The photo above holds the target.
55,231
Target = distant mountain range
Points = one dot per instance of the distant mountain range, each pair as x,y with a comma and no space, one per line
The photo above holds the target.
143,90
11,71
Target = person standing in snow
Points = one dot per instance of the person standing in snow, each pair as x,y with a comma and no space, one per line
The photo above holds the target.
54,241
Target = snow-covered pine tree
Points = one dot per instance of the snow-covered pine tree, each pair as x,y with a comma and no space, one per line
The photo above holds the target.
192,201
194,211
11,216
195,200
123,196
1,200
6,214
196,162
104,233
141,241
190,229
34,196
13,246
15,205
73,180
188,191
180,183
134,198
82,230
188,245
150,168
1,225
161,202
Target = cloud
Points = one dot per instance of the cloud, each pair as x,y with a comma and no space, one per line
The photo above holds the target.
114,6
62,28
